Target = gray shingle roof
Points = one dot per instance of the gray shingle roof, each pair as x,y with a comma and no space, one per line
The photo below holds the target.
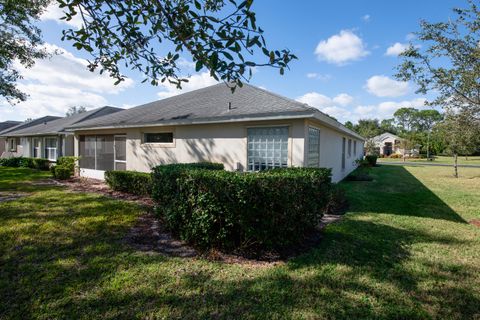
58,125
31,123
8,124
204,104
211,104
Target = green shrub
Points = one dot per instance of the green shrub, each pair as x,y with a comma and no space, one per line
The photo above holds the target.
139,183
165,178
34,163
337,201
68,162
10,162
62,172
229,210
395,156
372,160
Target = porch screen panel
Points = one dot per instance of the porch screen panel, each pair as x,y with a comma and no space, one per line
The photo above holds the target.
267,148
104,153
313,147
87,152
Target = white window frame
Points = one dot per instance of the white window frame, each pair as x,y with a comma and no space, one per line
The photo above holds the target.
317,164
115,161
51,149
159,144
37,148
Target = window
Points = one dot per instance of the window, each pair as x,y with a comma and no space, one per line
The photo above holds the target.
355,147
313,147
51,149
120,147
96,152
12,145
349,148
36,148
343,153
267,148
161,137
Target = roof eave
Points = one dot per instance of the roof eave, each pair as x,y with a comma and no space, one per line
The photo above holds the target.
292,115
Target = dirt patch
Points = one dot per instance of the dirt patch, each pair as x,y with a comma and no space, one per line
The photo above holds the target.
99,187
150,235
475,222
9,196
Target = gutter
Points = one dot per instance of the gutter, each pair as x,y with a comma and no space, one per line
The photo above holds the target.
297,115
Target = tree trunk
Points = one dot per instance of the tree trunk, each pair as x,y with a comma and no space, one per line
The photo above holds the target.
455,165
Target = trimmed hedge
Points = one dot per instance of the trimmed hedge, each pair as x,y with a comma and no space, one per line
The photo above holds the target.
139,183
24,162
229,210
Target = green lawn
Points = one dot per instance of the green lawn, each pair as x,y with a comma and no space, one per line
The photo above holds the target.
438,159
404,251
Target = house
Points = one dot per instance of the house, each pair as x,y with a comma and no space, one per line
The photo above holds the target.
11,147
248,130
387,144
46,137
3,127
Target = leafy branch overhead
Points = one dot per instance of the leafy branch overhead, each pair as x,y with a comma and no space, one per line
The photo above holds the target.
447,62
149,36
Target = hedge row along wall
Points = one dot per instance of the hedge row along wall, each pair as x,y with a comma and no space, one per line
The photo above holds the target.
230,210
24,162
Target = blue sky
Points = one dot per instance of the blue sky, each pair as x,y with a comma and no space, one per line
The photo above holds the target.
347,55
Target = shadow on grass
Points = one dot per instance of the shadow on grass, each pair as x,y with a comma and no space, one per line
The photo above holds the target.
63,255
396,191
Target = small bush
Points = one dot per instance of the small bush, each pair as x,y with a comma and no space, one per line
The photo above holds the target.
139,183
230,210
395,156
62,172
69,163
371,159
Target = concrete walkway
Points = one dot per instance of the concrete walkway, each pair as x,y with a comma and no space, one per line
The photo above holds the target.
433,164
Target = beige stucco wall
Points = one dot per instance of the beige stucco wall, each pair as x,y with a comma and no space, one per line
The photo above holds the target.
227,143
331,150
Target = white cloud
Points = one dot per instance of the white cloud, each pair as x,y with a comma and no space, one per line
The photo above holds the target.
396,49
54,13
196,81
55,84
341,48
386,109
343,99
382,86
366,18
328,105
410,37
318,76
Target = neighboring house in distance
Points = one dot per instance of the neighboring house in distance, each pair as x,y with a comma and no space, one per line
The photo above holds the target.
388,144
3,127
249,130
47,138
12,146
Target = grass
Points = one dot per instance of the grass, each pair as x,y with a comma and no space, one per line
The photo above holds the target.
438,159
404,250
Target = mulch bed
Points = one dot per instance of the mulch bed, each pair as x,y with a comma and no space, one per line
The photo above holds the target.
475,222
149,233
